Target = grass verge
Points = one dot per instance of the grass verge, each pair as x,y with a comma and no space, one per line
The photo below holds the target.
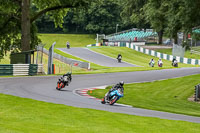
167,95
75,40
133,56
26,115
187,53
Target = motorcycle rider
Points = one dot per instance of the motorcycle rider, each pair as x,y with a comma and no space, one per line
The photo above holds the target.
68,76
68,45
115,87
160,63
174,62
119,57
151,63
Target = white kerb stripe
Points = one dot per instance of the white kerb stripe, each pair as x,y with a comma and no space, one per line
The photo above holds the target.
178,58
136,48
127,44
141,49
165,56
170,57
147,51
131,46
152,53
158,54
193,61
185,60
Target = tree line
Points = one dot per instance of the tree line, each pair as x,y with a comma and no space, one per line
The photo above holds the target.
20,20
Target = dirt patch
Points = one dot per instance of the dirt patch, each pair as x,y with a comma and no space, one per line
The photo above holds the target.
191,99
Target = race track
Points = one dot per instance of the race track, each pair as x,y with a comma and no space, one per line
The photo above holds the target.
43,89
96,58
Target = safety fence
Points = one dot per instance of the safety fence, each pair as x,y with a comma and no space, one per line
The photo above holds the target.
21,69
73,62
138,48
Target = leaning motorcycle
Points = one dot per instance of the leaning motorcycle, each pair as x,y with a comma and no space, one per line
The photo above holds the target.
113,97
63,81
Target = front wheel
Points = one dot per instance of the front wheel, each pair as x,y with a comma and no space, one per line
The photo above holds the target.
113,101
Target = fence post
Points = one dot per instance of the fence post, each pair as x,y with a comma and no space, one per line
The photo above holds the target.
197,92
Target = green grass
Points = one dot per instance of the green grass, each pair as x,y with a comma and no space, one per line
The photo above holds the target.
75,40
129,55
60,67
6,59
133,56
187,53
19,115
167,95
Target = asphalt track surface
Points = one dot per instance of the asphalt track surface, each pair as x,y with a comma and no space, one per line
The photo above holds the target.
43,89
96,58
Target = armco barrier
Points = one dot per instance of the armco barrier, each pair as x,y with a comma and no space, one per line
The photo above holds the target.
6,69
80,64
21,69
137,47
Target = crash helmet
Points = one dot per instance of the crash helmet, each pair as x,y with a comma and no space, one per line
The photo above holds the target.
121,83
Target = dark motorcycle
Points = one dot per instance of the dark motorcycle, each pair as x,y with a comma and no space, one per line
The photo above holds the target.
175,63
64,81
113,96
119,59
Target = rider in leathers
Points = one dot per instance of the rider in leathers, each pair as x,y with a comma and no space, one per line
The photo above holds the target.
115,87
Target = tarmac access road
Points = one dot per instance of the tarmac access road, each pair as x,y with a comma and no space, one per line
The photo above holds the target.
97,58
42,88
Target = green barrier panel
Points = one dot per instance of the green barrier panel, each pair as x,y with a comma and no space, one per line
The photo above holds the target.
189,61
156,53
124,44
121,44
139,49
168,57
133,46
181,59
129,45
161,55
149,52
6,69
33,69
196,62
144,50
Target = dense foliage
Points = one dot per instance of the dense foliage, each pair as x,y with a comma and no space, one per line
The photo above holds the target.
92,16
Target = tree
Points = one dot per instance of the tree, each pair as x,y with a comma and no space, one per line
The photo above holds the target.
155,11
133,13
182,15
18,16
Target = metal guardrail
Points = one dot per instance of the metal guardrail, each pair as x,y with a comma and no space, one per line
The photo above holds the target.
80,64
197,93
21,69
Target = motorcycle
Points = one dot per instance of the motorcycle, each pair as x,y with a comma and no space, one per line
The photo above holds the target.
113,97
175,63
160,64
152,63
68,46
64,81
119,59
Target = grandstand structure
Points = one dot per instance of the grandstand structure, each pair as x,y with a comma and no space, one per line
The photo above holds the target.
133,35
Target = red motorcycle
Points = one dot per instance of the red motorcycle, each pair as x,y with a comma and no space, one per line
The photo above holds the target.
63,81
